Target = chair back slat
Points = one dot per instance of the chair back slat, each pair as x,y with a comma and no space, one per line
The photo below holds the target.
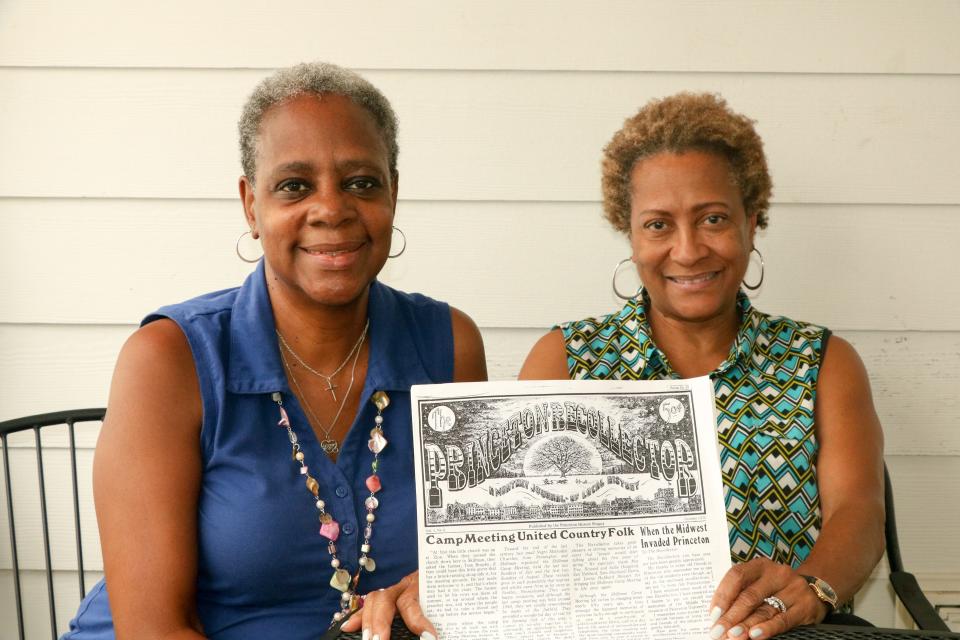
76,505
15,561
48,564
36,424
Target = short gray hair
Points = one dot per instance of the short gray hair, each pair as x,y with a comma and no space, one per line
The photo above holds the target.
316,78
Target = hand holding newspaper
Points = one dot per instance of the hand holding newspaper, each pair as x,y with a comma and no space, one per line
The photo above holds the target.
574,510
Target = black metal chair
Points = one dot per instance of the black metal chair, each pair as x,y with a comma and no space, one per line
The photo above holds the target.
36,424
904,583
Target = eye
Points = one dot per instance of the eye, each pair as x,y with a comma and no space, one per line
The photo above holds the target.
656,225
362,184
715,218
294,185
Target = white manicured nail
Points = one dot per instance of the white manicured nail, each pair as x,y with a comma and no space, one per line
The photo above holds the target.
426,635
366,634
717,631
376,637
736,631
756,633
715,614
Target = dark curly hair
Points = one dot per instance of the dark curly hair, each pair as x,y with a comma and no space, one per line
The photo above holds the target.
679,123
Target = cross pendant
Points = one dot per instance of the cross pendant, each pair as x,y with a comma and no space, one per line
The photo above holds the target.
330,388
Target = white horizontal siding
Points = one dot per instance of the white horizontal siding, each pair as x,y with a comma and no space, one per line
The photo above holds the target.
163,133
876,267
850,36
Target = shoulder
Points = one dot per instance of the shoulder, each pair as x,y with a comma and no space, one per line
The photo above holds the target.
842,364
208,305
417,307
547,359
469,358
783,325
155,377
590,337
449,337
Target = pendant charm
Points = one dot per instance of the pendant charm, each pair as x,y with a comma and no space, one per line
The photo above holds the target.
340,580
330,446
377,442
330,388
380,400
330,530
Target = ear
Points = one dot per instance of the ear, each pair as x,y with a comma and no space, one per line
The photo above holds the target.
395,189
752,228
247,198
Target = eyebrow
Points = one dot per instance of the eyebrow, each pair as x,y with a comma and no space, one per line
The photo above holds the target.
294,167
300,166
698,207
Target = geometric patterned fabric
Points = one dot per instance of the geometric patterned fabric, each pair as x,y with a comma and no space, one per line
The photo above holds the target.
765,392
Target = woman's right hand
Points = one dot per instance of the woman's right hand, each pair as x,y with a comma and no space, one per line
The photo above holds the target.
380,607
146,479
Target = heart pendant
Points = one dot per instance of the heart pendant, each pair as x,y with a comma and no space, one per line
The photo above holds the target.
330,446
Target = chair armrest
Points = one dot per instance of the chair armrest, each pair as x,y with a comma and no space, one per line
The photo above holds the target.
923,613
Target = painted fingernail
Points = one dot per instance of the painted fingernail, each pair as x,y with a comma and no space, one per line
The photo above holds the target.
715,614
426,635
376,637
717,631
736,631
365,635
756,632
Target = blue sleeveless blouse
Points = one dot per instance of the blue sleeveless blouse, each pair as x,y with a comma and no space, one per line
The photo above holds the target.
263,568
765,392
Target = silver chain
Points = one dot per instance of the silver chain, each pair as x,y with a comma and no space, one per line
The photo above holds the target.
328,444
324,376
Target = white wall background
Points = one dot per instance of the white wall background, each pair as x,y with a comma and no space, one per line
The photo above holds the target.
118,168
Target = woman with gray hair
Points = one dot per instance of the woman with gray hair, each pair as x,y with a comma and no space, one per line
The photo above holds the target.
254,474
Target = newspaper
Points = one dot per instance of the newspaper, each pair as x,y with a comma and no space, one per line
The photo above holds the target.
575,510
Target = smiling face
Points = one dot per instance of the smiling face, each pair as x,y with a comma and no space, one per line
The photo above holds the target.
690,235
323,199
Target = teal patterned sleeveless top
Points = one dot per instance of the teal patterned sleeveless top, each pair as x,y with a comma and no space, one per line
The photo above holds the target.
765,392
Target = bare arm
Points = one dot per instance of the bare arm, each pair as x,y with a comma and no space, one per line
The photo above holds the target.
146,478
469,359
849,474
850,483
547,359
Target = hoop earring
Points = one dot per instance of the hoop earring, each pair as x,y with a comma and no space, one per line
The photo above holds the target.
616,291
754,287
403,248
240,255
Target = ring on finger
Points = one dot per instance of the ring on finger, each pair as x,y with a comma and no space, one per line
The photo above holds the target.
776,603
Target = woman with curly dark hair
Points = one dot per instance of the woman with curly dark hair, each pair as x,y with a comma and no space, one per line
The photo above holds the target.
686,181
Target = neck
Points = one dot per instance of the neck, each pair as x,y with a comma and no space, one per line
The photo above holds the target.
694,348
322,335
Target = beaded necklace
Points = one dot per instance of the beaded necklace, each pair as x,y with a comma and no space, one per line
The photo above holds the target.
329,528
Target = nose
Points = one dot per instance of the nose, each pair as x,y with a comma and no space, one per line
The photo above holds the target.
330,205
688,248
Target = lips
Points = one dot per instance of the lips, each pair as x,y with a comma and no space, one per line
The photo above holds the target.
694,279
332,248
334,255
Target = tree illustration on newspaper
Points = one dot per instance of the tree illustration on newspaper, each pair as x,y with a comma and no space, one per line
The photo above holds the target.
562,453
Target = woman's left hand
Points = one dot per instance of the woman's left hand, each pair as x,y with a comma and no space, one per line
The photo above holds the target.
380,607
739,608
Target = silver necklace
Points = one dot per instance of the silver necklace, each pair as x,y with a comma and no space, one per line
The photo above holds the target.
327,443
326,377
